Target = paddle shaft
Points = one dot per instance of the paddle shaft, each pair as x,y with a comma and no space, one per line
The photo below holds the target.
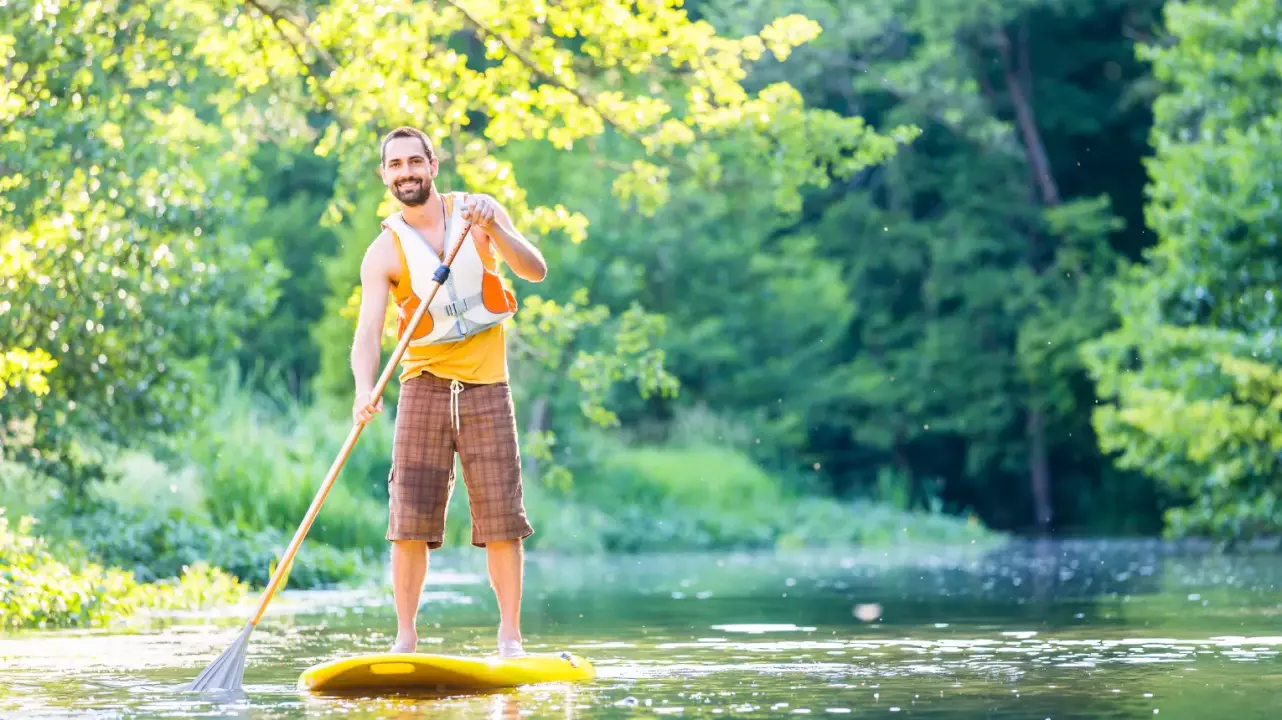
355,433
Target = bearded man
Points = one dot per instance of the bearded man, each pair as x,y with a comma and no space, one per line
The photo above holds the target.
454,395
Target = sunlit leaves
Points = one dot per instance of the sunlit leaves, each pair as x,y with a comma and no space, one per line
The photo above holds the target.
645,184
786,33
560,72
119,191
24,368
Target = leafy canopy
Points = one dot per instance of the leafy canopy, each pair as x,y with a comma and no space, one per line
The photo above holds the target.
129,270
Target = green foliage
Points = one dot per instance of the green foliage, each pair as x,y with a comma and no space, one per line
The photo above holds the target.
693,495
1192,375
296,186
126,264
158,247
558,75
822,522
37,590
894,312
745,314
151,519
260,461
156,546
332,332
715,480
972,276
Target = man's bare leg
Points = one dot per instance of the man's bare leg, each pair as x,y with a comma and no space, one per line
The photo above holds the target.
506,561
409,568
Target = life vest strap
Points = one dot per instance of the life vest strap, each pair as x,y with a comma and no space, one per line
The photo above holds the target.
462,305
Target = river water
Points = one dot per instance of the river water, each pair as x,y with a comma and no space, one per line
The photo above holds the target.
1025,630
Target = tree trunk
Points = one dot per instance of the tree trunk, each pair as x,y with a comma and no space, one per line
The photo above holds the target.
1027,120
900,454
1019,90
1039,467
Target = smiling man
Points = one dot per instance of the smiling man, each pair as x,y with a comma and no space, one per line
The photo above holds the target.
454,378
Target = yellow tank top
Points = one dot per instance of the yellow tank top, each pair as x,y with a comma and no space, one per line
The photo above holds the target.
481,358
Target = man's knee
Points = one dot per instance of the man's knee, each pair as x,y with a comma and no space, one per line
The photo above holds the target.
409,547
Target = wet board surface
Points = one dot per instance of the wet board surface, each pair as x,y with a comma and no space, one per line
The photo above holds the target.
421,671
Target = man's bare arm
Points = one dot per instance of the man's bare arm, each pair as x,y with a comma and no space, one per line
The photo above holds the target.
367,343
519,254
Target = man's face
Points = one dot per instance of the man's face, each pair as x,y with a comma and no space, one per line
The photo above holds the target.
407,171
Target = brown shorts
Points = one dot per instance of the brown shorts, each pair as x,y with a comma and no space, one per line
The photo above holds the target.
431,425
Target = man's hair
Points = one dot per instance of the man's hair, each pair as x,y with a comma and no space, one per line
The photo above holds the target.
405,131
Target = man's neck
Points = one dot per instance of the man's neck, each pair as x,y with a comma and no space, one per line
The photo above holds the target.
429,214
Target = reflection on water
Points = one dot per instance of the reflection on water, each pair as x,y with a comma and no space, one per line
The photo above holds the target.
1060,630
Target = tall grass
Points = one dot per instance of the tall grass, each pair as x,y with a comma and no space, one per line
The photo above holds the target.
260,460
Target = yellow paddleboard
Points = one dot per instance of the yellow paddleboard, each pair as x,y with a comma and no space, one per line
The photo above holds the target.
421,671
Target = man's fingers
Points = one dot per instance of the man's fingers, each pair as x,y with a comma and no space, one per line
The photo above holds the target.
366,412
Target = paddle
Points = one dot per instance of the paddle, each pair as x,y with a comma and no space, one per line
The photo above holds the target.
227,671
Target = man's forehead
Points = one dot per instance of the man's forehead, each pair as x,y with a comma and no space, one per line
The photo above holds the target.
404,148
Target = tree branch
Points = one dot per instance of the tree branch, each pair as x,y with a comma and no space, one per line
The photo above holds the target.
543,76
278,18
1028,125
278,15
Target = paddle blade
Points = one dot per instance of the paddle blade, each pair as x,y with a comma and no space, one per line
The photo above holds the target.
226,672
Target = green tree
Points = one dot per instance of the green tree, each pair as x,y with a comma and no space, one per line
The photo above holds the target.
126,263
975,258
296,186
1192,375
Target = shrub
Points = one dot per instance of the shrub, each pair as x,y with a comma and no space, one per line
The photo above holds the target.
38,590
159,545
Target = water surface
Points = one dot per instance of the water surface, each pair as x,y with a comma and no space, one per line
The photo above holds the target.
1028,630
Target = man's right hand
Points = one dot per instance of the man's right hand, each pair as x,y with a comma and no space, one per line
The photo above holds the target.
363,410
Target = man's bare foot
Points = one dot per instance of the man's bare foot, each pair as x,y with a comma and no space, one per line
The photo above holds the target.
510,644
404,644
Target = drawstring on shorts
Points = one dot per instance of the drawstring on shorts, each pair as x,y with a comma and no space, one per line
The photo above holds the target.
456,387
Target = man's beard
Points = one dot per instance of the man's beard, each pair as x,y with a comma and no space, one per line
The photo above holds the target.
414,195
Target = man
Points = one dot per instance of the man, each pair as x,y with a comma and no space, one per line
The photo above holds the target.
454,391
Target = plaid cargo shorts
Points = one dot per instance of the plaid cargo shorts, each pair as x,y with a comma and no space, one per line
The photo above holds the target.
435,418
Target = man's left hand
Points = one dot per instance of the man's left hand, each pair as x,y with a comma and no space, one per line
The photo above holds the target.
480,209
